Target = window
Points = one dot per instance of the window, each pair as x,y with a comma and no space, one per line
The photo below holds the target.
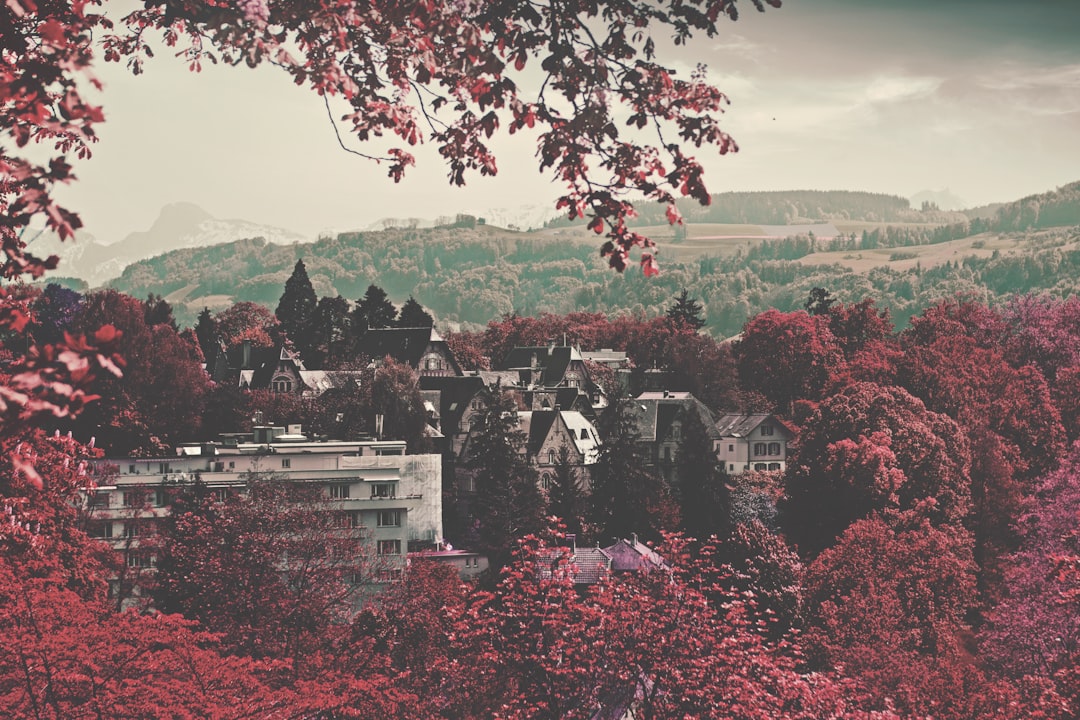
100,500
136,559
760,466
134,498
731,467
221,494
433,362
131,530
774,448
383,490
161,499
760,448
545,481
282,385
101,530
584,434
551,457
389,518
131,469
731,448
774,466
766,429
667,454
339,491
389,547
676,431
286,462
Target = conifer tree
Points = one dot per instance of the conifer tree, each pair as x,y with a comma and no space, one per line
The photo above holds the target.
330,330
373,311
566,500
509,505
703,495
206,332
686,311
296,309
413,315
627,496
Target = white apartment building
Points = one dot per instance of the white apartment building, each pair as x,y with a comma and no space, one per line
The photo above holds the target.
395,498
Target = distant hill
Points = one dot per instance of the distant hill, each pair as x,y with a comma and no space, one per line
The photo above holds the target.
942,199
179,225
468,275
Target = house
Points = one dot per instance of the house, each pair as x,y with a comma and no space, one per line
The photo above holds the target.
660,417
281,369
755,441
548,431
634,556
551,367
585,566
422,349
393,498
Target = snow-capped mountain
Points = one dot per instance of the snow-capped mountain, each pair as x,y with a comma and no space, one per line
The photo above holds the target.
179,225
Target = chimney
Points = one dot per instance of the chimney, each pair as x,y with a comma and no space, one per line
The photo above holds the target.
245,357
633,538
571,540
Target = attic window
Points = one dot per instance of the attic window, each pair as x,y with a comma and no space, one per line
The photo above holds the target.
584,434
766,429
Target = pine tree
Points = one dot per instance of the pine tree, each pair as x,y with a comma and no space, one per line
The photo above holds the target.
818,301
509,505
566,500
627,496
206,331
686,311
296,309
330,329
373,311
703,495
413,315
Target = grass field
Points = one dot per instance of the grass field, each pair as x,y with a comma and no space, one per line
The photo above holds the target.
982,245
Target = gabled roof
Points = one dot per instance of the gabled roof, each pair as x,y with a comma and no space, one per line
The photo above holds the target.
553,361
405,345
655,412
537,426
319,381
587,566
633,555
741,425
454,395
264,364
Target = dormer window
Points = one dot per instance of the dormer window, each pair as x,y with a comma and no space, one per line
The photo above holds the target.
766,429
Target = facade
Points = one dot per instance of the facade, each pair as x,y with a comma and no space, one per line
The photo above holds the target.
548,431
394,498
752,442
554,366
660,417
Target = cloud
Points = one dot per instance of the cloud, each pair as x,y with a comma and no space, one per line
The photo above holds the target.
887,89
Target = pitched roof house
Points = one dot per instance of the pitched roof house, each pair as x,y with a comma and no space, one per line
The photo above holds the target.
754,441
660,417
422,349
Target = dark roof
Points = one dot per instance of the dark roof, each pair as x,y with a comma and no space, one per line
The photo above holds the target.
405,345
552,360
655,415
264,363
454,395
539,426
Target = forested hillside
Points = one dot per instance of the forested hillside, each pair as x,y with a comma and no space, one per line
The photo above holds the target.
469,275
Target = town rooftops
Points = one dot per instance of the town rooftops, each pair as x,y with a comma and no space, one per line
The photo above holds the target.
632,555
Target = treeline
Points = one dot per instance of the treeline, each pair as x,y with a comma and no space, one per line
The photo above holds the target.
469,276
783,208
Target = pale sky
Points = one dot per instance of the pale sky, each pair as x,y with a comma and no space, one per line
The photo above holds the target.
978,96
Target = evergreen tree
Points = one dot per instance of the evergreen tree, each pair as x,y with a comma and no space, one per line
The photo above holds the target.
703,495
296,309
373,311
686,311
330,329
565,499
627,495
206,332
508,505
413,315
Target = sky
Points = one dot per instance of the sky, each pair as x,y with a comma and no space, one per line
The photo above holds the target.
980,97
